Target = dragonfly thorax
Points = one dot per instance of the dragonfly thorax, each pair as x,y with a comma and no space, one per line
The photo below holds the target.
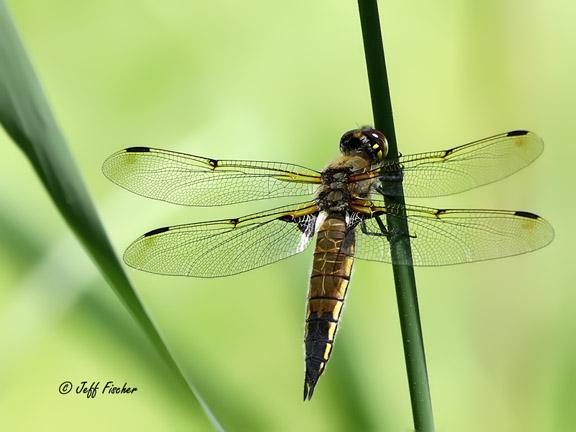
334,194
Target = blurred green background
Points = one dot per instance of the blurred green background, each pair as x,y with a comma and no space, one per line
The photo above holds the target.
264,80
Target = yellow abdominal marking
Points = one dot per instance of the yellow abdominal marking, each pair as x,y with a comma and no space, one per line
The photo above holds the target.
327,351
336,311
331,331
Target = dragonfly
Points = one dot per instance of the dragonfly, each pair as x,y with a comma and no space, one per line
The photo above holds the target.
351,206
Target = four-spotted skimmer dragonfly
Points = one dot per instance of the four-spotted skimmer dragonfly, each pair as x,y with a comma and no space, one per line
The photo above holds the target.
344,206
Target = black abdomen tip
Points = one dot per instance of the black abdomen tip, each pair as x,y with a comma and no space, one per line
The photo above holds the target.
309,384
137,149
517,133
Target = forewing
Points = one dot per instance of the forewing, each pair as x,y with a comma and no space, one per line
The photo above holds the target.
197,181
225,247
461,168
442,237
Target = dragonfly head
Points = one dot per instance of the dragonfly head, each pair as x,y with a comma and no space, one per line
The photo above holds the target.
365,140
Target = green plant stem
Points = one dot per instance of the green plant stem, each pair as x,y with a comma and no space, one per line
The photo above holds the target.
403,275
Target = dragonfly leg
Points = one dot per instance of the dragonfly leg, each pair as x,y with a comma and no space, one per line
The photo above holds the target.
389,185
383,230
392,176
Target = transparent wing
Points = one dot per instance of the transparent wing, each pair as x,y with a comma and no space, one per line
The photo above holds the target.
460,168
442,237
197,181
225,247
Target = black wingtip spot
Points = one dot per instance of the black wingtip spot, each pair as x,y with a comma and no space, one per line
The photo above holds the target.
156,231
517,133
526,214
137,149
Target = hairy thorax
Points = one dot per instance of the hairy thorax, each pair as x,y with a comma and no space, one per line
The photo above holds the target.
335,192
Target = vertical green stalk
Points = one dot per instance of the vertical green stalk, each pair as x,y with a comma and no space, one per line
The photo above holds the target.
403,275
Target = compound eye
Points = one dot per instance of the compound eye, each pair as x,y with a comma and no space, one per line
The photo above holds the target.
378,143
350,141
382,147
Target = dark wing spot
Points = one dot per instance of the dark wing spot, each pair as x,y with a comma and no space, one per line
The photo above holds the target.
156,231
526,214
306,223
439,212
448,152
234,221
517,133
137,149
213,162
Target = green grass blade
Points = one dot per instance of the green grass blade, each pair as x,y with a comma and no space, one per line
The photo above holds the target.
26,116
403,275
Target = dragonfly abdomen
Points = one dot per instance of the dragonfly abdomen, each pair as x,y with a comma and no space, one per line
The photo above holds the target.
333,259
